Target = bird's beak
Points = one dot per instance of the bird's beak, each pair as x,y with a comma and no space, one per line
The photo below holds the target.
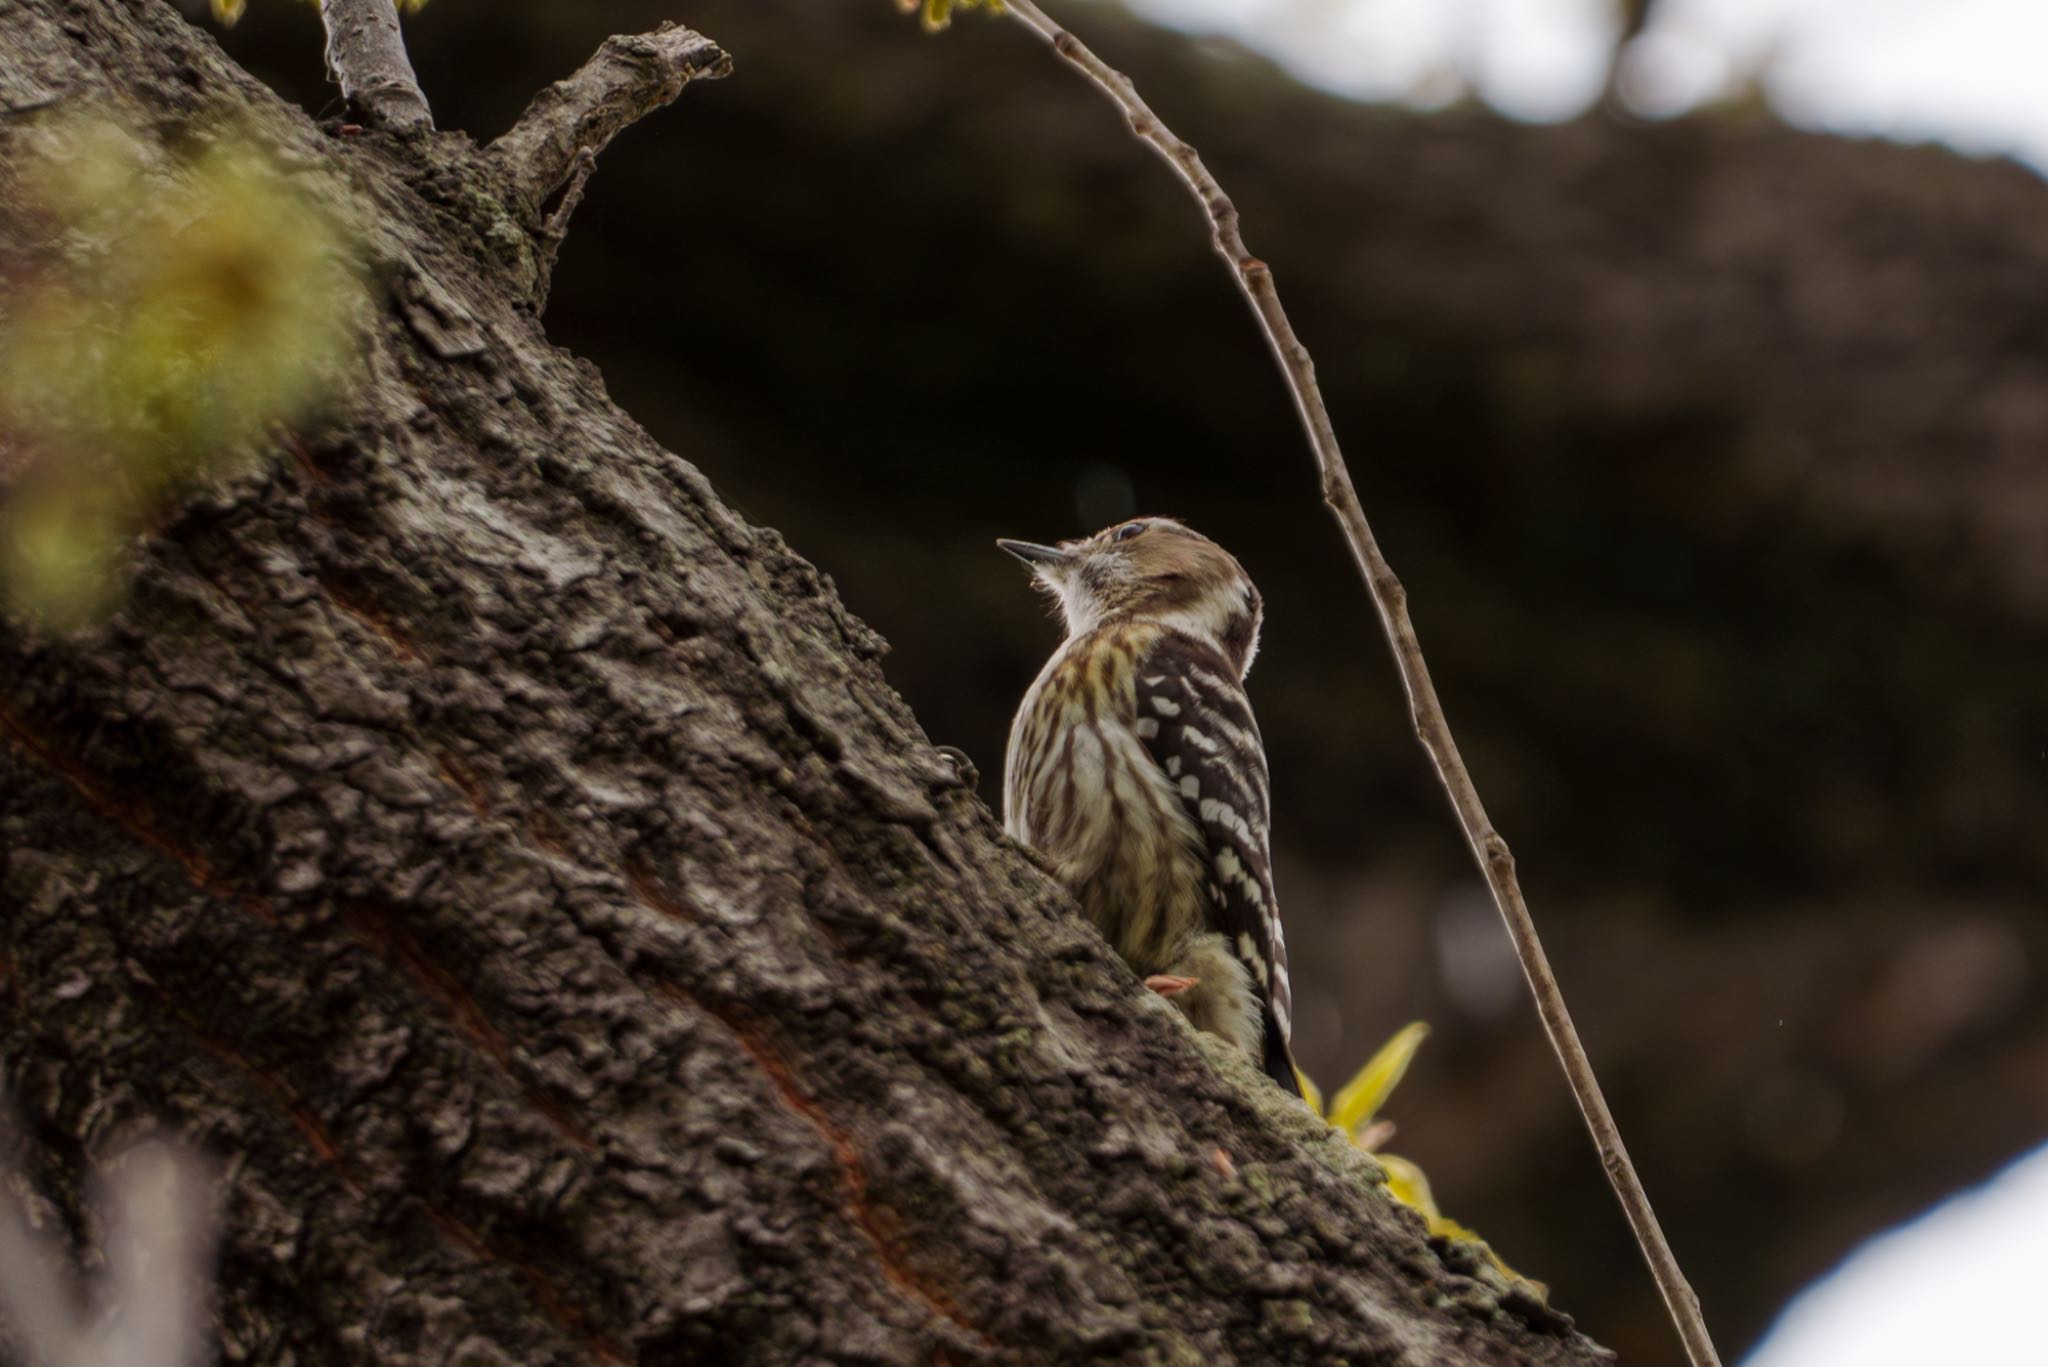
1031,553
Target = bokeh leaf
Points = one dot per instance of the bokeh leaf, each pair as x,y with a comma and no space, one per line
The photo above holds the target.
178,308
936,14
1355,1110
1361,1098
227,12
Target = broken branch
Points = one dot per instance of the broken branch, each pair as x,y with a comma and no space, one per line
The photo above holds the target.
548,153
366,55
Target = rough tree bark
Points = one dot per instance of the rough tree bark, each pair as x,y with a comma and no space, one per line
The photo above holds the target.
513,866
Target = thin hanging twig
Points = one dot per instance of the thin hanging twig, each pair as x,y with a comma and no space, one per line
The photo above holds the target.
1255,279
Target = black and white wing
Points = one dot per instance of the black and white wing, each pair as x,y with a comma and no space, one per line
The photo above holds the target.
1196,722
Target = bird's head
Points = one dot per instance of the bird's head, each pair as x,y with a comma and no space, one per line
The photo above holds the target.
1155,569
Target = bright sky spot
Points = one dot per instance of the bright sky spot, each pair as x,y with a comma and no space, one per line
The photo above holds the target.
1969,72
1961,1284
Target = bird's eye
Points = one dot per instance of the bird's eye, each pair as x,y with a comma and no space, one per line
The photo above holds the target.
1127,531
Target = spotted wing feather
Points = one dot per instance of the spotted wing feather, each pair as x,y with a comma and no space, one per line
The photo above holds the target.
1197,723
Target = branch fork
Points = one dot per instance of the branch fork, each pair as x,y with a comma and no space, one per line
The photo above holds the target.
549,154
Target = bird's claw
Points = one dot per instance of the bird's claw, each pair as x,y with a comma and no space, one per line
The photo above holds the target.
964,772
1170,984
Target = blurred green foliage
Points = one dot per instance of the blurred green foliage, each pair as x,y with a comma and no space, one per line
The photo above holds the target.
1355,1111
936,14
228,11
179,308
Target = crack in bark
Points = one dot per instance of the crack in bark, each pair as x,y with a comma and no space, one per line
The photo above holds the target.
544,1292
873,1220
132,817
398,947
654,898
295,1110
302,456
357,606
377,930
323,1144
862,1212
463,781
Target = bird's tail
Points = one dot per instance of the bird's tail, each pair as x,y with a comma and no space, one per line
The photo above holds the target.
1279,1060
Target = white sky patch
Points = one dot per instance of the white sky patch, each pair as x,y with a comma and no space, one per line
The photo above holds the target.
1969,72
1540,60
1962,1284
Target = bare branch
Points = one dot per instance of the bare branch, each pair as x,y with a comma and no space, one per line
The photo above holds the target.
1255,279
549,152
366,55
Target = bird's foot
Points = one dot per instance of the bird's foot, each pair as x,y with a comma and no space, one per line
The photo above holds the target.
1170,984
964,775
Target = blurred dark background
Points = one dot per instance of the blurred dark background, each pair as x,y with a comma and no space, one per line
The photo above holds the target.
1710,452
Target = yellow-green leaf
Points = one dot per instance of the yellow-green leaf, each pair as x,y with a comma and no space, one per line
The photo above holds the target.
936,14
186,306
1362,1097
1311,1094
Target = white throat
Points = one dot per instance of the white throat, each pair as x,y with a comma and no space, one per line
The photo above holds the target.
1209,619
1078,609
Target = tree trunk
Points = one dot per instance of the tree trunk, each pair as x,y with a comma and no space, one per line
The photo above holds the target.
513,866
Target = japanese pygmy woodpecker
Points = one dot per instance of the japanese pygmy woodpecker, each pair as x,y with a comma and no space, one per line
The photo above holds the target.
1135,769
